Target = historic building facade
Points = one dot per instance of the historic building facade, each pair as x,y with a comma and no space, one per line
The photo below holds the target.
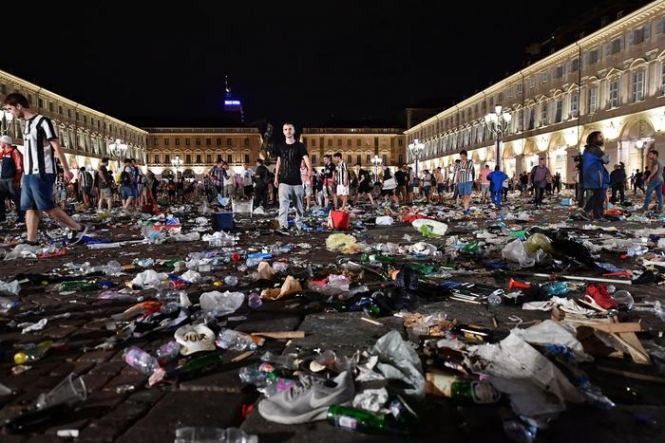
612,80
193,150
85,134
356,144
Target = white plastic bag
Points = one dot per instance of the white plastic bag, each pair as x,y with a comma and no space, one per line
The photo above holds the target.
222,304
516,253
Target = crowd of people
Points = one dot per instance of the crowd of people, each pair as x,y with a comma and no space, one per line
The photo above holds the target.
44,183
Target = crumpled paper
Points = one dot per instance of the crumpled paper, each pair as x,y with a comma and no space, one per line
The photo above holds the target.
536,387
291,286
264,272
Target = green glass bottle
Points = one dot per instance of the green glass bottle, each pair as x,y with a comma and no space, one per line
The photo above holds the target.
356,420
461,392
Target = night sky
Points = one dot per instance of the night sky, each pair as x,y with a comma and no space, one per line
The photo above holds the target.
303,61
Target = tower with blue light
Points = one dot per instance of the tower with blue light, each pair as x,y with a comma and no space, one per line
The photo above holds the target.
232,106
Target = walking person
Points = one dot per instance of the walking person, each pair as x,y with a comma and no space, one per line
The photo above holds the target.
538,177
11,173
485,184
342,179
287,177
389,185
654,181
364,184
595,178
261,178
105,184
556,183
85,179
42,147
247,181
440,183
464,177
497,179
426,183
307,184
617,179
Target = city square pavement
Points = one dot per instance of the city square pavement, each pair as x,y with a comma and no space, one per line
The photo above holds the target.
120,406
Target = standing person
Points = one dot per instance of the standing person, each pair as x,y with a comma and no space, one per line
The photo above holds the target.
485,184
229,180
342,179
654,181
402,181
306,183
61,190
454,182
127,185
261,177
247,181
440,183
105,184
85,179
524,183
426,183
390,184
329,181
411,184
464,177
639,181
41,147
617,179
556,183
497,178
538,178
595,177
10,178
364,183
319,178
287,176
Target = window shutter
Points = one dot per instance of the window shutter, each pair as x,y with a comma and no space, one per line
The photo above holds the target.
621,43
660,26
586,58
631,36
647,31
608,48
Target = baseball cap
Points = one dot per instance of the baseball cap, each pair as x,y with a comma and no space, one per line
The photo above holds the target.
195,339
6,139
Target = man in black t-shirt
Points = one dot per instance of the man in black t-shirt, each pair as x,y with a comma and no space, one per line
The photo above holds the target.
329,180
287,176
402,179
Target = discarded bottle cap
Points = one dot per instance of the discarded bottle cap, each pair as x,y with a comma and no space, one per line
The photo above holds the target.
218,284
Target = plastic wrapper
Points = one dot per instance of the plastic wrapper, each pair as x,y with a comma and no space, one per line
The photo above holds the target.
372,400
191,277
430,228
516,252
537,242
149,279
12,288
384,220
23,251
397,360
340,242
221,303
549,332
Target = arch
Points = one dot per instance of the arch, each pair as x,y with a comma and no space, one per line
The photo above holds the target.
529,147
556,141
638,62
167,173
637,128
188,173
508,151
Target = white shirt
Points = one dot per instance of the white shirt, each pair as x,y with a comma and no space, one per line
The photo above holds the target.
247,177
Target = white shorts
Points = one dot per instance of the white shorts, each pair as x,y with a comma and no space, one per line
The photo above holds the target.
342,190
309,191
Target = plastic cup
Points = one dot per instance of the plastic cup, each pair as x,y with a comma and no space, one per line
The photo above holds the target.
624,299
71,390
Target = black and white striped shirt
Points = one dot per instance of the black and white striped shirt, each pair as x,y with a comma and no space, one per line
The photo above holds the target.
39,155
465,172
342,173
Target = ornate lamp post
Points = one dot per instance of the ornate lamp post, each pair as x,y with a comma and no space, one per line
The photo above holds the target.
5,121
118,150
498,122
416,149
177,164
376,161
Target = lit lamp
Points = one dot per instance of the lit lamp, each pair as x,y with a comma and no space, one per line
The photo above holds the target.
640,144
118,150
376,161
498,122
416,149
5,122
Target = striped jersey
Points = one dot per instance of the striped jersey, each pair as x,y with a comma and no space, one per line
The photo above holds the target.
342,174
464,172
39,155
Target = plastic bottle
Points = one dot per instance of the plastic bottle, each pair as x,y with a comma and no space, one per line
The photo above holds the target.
280,266
231,280
85,285
211,434
8,303
144,263
356,420
140,360
253,262
237,341
463,392
494,299
32,352
168,352
254,300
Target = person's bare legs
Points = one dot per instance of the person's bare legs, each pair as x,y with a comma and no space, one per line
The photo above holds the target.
466,200
32,218
62,217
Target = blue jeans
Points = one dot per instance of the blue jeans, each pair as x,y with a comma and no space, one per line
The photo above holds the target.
658,187
496,197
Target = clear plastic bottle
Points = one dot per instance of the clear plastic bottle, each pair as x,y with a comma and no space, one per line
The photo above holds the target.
7,303
280,266
168,352
494,299
253,262
231,280
211,434
557,288
235,341
254,300
140,360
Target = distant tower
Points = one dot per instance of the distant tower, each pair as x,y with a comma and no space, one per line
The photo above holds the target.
232,106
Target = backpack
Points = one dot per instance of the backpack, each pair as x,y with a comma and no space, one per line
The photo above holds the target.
125,179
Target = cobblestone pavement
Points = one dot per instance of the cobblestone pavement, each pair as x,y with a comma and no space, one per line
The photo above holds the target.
120,407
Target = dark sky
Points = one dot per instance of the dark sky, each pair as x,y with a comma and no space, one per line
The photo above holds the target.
303,61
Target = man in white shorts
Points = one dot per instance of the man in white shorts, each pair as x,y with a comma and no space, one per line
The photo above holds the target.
306,183
342,171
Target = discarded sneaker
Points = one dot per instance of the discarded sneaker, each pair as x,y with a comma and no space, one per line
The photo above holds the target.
309,401
599,294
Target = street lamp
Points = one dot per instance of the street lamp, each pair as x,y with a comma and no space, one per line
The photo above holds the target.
118,150
6,120
640,144
416,149
376,161
498,122
177,164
